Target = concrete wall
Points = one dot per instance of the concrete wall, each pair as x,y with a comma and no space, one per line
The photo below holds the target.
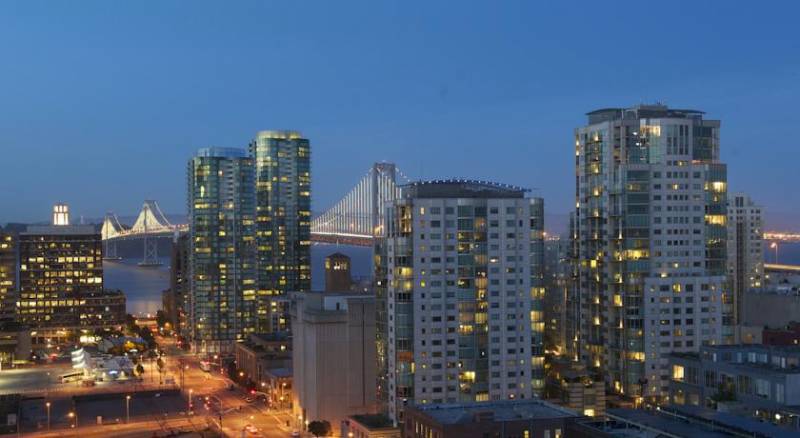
769,309
334,359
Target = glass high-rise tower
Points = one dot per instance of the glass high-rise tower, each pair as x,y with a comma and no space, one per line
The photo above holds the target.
650,243
283,222
222,260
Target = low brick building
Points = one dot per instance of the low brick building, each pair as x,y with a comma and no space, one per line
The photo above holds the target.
262,352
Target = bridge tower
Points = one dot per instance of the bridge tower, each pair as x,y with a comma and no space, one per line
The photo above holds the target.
360,215
149,222
384,189
111,228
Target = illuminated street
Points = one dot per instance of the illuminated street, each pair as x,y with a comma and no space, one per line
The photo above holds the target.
237,413
153,408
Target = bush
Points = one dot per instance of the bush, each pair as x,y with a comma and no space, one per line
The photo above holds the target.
319,428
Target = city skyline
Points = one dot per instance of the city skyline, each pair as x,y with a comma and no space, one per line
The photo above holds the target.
377,220
374,84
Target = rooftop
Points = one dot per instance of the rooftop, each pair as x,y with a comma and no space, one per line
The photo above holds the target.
504,410
462,188
373,421
621,419
60,230
731,422
642,111
216,152
280,134
271,337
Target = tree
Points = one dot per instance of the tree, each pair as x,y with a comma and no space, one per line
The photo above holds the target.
319,428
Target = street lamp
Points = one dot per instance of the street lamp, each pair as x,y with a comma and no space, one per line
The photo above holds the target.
48,415
74,415
127,408
774,245
190,398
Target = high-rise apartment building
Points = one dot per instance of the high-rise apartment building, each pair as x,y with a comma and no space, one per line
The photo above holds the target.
745,248
175,299
61,281
558,283
459,288
650,231
283,222
8,274
222,261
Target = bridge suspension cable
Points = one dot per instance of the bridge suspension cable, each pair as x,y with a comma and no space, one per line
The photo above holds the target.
151,219
360,215
111,227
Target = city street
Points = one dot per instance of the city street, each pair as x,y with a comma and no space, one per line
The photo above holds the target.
154,409
237,413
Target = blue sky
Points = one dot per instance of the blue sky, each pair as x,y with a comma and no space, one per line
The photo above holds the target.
102,103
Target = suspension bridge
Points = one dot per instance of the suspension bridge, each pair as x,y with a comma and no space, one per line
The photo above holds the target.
355,220
359,216
150,225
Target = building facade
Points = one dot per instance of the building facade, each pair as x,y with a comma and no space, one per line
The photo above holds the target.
569,384
558,284
786,336
650,232
772,307
745,249
333,355
460,286
222,247
755,380
176,299
369,426
283,221
61,294
8,275
262,352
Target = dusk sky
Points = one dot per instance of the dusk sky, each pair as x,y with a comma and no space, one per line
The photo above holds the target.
103,103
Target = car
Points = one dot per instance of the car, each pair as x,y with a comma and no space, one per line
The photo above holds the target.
251,429
249,399
295,434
